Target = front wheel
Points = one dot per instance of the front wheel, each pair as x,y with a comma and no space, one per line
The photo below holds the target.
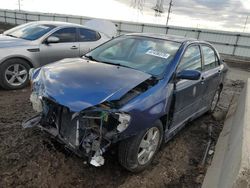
14,73
136,153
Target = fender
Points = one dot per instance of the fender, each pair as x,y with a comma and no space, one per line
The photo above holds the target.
31,63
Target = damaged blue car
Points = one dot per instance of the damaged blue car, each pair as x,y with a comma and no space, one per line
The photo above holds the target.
136,91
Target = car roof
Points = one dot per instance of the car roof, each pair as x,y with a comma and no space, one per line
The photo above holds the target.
174,38
57,23
100,26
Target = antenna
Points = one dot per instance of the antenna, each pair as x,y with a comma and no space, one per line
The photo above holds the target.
169,11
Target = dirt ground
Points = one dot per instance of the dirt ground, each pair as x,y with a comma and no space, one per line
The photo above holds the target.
29,158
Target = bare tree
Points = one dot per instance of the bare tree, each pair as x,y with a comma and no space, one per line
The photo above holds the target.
138,4
159,7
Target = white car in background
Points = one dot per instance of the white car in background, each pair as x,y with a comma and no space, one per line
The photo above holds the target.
38,43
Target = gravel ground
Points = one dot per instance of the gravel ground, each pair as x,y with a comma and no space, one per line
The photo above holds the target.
29,158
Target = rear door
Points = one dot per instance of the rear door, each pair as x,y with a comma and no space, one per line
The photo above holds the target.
67,46
187,94
88,40
211,73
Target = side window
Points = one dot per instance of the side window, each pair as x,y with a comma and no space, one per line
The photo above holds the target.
210,59
88,35
191,59
66,34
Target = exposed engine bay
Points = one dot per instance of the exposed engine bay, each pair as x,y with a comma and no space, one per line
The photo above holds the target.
87,133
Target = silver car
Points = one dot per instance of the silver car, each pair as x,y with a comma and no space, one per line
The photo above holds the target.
38,43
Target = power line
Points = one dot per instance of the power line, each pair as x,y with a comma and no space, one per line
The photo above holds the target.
169,11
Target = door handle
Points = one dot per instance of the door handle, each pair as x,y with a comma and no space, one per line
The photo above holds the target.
73,48
202,80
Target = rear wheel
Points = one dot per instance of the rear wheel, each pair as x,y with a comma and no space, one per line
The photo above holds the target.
136,153
14,73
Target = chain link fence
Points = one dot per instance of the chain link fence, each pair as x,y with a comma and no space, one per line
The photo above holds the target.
230,43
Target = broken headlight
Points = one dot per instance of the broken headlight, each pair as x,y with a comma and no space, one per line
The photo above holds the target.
36,102
124,120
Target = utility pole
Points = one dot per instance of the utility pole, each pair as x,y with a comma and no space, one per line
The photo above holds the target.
19,5
245,24
169,11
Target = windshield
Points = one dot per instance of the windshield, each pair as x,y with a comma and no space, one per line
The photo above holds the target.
145,54
30,31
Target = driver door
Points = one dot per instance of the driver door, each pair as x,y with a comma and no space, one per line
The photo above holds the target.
187,93
67,46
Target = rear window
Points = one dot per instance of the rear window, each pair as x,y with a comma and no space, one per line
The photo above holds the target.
88,35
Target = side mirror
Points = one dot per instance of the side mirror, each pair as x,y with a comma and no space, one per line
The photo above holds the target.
189,75
52,39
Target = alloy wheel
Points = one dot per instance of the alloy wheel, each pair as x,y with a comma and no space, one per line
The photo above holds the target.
16,74
148,145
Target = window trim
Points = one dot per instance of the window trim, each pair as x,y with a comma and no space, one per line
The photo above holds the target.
78,34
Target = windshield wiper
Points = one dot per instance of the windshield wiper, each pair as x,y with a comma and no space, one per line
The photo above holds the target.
106,62
117,64
91,58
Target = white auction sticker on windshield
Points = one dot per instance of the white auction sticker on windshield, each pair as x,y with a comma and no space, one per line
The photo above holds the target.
158,54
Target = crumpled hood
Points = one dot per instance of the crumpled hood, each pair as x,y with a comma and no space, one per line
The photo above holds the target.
7,41
79,84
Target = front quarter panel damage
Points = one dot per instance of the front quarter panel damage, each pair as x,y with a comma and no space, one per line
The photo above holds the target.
148,107
91,131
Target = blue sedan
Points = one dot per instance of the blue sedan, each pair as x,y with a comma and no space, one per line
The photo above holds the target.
136,90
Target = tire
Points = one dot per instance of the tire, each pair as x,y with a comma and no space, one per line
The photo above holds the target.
130,149
215,100
14,74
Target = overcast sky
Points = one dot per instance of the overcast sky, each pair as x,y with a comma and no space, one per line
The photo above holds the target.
211,14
